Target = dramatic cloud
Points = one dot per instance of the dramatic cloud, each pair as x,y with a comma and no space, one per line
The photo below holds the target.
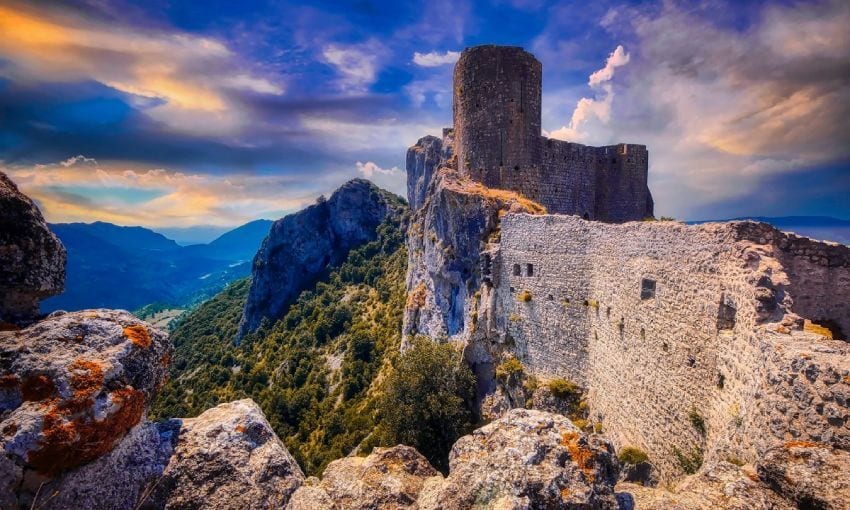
435,59
185,78
720,108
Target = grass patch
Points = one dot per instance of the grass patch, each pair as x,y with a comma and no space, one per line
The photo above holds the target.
689,462
632,455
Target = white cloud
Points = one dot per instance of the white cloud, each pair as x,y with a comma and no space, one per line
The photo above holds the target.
392,179
597,108
357,64
435,59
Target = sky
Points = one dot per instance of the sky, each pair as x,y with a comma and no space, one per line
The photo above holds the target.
168,113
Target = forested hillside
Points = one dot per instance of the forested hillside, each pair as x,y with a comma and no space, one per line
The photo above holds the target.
311,372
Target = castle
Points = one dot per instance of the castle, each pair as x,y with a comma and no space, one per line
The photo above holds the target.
715,341
497,125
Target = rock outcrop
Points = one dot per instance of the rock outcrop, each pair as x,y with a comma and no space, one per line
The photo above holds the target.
71,387
301,246
810,475
32,260
389,478
423,159
227,458
527,459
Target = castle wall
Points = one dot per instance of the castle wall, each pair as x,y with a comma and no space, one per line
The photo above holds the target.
695,345
497,104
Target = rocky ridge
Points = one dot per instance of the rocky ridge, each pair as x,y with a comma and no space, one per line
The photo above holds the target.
301,246
32,260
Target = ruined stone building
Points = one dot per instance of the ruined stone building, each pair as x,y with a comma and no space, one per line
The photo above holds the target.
497,125
711,342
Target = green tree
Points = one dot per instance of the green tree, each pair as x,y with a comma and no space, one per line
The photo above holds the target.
427,401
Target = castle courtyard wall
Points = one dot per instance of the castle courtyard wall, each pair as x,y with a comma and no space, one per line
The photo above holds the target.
702,345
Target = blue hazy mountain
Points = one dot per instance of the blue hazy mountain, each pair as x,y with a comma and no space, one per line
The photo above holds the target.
824,228
111,266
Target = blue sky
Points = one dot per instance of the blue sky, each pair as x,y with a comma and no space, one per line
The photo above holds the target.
178,113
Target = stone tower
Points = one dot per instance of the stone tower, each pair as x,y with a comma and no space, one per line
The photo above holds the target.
497,92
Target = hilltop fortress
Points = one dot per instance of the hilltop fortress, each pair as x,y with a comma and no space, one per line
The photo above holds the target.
497,142
700,345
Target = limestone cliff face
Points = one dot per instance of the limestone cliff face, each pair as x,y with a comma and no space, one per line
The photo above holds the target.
301,246
32,259
423,159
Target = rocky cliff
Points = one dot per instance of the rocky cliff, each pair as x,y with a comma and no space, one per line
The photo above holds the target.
302,246
32,260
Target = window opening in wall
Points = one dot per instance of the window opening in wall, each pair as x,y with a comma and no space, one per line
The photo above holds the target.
665,347
517,271
647,288
550,297
529,269
642,334
585,216
726,312
691,361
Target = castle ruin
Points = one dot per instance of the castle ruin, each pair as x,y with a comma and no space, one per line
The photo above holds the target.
497,126
709,342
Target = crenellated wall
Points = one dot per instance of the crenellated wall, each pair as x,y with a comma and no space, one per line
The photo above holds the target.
663,322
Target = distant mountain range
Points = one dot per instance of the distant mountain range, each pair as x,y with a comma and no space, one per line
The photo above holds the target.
112,266
824,228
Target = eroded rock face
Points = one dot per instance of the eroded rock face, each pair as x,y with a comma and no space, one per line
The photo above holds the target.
809,474
389,478
227,458
72,385
303,245
32,259
423,159
527,459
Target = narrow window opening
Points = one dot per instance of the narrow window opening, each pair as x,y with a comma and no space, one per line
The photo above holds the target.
726,313
517,270
647,288
529,269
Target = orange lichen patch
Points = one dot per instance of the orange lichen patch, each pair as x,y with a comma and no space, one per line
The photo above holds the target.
801,444
579,454
86,378
565,494
846,379
240,429
139,335
505,197
165,360
817,329
9,381
750,473
37,387
69,441
416,297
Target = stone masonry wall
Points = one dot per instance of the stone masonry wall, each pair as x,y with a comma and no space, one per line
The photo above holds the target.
664,322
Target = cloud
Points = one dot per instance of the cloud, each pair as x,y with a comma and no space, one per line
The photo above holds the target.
724,109
357,65
435,59
392,179
597,108
189,77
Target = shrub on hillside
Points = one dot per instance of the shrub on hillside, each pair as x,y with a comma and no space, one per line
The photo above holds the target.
427,401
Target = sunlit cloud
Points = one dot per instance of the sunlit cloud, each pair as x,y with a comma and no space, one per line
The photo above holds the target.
189,76
393,179
80,189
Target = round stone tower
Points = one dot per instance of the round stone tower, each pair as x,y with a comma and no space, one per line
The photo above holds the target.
497,93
